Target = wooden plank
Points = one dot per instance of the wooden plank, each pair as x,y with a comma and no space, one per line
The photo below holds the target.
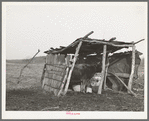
52,86
44,82
132,69
50,59
60,74
43,73
57,65
59,80
61,59
107,43
73,64
114,83
51,68
124,75
124,85
103,69
54,76
67,62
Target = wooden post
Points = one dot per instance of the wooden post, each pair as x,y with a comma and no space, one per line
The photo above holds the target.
106,70
73,64
103,69
132,69
69,57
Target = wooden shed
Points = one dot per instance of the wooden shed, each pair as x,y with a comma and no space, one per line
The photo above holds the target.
60,62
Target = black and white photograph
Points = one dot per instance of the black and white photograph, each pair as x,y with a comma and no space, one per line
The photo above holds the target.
74,60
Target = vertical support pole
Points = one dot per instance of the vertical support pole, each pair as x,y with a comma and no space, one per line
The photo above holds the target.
103,69
132,68
68,59
106,70
72,67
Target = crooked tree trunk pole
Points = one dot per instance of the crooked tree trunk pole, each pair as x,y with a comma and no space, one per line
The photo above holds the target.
27,65
132,69
105,77
73,64
74,61
103,69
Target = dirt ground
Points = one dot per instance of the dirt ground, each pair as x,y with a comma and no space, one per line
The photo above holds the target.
28,95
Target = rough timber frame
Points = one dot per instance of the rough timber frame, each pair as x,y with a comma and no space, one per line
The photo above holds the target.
74,61
104,72
103,67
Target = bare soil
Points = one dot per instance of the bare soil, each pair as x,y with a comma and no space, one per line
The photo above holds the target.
29,96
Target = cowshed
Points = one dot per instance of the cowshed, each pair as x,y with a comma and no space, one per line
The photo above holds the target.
82,59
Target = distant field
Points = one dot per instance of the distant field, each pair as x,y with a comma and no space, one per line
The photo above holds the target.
28,95
40,59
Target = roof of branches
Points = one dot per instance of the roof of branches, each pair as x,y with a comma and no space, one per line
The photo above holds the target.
90,46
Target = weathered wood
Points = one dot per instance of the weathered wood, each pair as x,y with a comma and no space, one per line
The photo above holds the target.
66,74
52,87
114,83
105,78
54,72
132,69
54,79
57,65
74,43
107,43
26,66
124,85
88,34
103,69
139,41
124,75
62,86
73,64
42,76
49,59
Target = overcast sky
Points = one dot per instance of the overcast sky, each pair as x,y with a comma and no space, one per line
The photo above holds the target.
32,26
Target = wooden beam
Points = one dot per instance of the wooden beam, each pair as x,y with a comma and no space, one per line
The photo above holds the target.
132,69
107,43
73,44
139,41
103,69
72,67
88,34
124,84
